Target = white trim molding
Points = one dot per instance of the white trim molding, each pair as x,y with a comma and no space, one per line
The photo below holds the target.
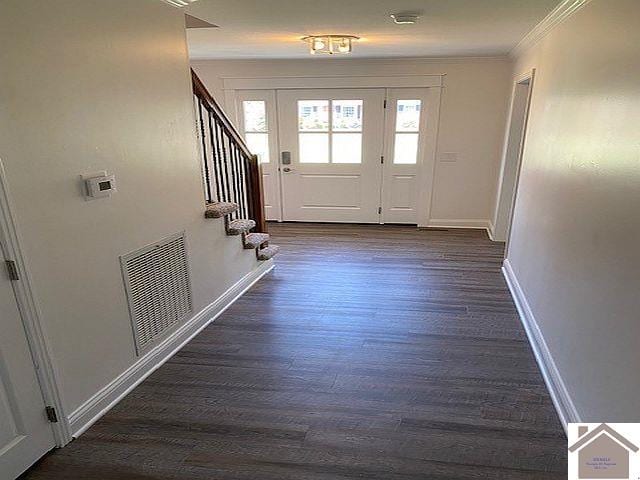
457,223
339,81
31,316
105,399
564,10
555,384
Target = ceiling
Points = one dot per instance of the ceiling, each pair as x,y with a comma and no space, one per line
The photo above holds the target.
273,28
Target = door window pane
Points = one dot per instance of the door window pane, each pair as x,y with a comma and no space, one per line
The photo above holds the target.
313,115
346,148
408,115
255,116
258,143
405,148
314,147
347,116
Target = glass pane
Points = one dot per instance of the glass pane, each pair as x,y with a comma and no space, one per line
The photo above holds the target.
408,115
313,115
255,116
406,148
314,147
347,148
258,143
347,115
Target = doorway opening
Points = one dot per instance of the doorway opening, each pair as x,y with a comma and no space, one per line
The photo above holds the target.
512,157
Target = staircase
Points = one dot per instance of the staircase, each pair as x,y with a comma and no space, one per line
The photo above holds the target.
250,241
231,175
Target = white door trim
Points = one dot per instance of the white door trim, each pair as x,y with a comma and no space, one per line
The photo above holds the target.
433,84
427,168
31,317
332,81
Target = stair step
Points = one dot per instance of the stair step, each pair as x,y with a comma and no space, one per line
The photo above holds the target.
220,209
254,240
241,225
268,252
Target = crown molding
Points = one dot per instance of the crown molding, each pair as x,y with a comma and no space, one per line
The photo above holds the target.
564,10
179,3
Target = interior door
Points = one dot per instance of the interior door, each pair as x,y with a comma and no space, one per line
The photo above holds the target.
331,145
25,433
405,141
259,125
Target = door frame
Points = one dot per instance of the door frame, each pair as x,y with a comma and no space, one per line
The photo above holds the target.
512,154
433,83
31,316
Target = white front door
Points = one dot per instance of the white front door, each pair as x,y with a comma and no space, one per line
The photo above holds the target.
25,433
331,143
259,125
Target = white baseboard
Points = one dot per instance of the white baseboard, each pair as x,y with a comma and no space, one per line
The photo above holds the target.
490,231
459,223
556,386
100,403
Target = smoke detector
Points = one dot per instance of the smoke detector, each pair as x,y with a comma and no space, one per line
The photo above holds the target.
405,18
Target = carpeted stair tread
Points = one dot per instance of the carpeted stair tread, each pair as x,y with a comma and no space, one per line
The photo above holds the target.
268,252
254,240
220,209
241,225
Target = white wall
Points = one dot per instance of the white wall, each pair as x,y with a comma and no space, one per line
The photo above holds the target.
576,232
472,118
92,85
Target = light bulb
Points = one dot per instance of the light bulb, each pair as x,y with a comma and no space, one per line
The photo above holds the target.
318,44
344,47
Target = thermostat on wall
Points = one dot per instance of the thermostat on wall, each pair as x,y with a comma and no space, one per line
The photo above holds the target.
99,185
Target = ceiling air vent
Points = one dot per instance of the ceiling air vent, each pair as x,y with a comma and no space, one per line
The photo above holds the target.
158,288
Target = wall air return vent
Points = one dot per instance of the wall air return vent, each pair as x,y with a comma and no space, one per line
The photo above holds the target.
158,288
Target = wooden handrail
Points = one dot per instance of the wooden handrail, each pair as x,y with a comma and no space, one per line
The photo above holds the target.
201,91
229,165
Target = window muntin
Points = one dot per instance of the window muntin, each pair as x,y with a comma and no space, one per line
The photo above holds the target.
330,138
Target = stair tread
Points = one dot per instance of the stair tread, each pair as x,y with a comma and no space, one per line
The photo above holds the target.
268,252
241,225
220,209
254,240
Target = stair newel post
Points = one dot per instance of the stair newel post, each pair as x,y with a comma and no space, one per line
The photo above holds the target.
257,194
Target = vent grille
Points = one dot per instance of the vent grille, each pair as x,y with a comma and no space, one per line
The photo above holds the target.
158,288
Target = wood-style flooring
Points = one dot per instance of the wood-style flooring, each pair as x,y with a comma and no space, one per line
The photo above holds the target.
370,352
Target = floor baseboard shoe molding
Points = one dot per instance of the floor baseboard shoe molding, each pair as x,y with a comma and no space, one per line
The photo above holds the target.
105,399
555,384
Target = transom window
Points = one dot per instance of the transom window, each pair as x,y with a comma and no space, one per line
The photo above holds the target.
256,128
406,137
330,131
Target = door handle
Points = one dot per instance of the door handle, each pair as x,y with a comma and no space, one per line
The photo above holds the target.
287,170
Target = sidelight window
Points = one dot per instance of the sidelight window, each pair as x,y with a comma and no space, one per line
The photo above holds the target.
406,138
256,128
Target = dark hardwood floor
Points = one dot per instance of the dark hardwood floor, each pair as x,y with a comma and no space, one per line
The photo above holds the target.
370,352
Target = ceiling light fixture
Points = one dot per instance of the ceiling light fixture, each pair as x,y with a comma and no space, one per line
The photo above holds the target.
405,18
330,44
